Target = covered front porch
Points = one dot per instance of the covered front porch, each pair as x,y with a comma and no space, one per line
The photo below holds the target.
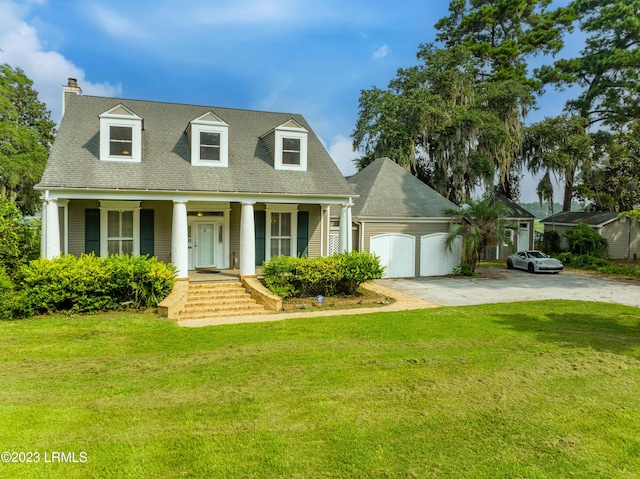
204,236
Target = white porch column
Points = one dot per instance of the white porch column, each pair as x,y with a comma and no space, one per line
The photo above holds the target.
247,240
346,235
52,225
324,230
179,239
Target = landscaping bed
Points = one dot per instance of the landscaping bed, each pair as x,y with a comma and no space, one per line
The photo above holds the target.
363,298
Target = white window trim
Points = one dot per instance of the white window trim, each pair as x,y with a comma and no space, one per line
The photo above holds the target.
281,208
299,134
105,207
108,120
198,126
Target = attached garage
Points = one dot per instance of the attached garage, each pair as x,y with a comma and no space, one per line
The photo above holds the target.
397,253
401,220
436,258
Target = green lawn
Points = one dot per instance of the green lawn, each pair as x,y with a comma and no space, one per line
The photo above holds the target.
528,390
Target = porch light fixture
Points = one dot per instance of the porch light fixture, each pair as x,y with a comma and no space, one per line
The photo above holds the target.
200,213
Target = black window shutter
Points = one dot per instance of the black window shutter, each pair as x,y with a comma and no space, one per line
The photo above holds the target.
303,233
146,232
92,231
260,219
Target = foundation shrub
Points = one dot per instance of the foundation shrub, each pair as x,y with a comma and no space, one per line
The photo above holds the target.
315,276
328,276
89,284
359,268
278,275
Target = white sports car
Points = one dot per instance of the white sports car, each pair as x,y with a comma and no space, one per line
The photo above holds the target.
534,261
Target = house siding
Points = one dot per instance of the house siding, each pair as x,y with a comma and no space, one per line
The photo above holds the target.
617,235
161,227
234,234
315,233
269,142
414,229
76,224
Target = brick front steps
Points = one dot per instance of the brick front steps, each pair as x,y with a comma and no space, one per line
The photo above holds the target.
209,300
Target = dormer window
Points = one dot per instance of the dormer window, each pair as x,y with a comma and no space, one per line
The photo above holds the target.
120,135
209,141
290,151
120,141
209,146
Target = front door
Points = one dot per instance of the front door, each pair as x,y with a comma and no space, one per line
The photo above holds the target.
205,245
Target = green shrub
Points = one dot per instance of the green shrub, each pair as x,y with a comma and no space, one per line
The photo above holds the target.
89,283
341,273
463,269
550,243
595,263
582,239
314,276
360,268
19,241
278,275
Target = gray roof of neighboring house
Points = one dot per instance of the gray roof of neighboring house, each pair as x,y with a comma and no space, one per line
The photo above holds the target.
389,191
517,211
592,218
166,162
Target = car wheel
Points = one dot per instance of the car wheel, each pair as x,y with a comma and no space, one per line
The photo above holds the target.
509,264
531,268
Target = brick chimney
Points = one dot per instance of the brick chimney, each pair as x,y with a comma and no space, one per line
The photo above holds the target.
71,88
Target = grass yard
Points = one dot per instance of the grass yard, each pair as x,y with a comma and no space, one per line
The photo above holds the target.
530,390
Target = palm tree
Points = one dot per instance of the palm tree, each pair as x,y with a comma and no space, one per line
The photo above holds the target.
479,222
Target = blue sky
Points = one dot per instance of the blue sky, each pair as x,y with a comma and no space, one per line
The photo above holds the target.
297,56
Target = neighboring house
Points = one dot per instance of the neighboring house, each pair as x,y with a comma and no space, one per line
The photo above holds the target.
199,186
621,235
400,219
522,238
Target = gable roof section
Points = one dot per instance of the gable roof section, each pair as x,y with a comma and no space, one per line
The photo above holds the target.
596,219
389,191
517,211
74,162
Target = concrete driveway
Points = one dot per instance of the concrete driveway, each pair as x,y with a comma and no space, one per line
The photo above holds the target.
496,285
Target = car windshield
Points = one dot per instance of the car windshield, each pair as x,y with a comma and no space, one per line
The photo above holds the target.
536,254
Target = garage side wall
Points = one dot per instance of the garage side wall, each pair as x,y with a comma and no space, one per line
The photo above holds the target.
617,235
416,229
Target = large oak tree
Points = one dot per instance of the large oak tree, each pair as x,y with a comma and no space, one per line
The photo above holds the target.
26,135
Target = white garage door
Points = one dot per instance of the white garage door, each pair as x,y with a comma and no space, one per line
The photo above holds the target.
397,253
436,259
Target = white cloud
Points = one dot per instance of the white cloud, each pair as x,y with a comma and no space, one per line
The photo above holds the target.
382,52
21,47
341,150
113,23
247,13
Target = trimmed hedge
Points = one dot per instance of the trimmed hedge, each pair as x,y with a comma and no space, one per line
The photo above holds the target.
88,284
328,275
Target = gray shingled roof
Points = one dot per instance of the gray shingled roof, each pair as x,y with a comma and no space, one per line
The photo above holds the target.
592,218
388,191
517,211
74,160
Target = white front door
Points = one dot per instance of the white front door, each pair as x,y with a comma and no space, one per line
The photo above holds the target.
207,244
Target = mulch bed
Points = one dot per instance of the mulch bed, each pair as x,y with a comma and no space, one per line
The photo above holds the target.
363,298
